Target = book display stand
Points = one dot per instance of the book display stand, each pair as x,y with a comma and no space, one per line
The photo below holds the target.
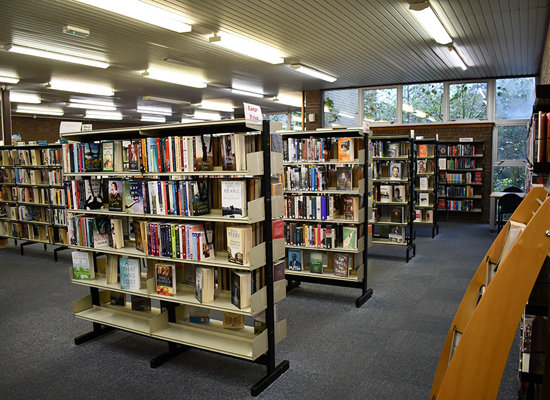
478,343
461,177
32,196
426,183
326,208
176,320
394,192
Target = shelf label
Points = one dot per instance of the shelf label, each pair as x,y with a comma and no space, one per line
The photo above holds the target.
253,113
466,139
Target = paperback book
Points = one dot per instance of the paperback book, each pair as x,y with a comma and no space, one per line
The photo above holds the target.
234,199
116,190
399,193
341,264
241,288
133,197
83,265
316,262
295,260
349,237
166,278
108,151
239,243
343,181
92,157
395,171
345,149
129,274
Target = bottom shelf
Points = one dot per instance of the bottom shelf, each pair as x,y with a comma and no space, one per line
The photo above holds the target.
329,276
423,222
388,242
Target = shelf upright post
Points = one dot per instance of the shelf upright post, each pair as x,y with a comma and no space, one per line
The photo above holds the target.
412,198
273,372
435,227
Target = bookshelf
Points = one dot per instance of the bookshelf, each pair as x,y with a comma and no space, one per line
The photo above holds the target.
394,168
538,140
162,223
32,202
326,199
461,178
426,183
475,353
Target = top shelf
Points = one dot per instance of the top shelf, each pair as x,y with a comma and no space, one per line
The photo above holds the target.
350,132
396,137
31,146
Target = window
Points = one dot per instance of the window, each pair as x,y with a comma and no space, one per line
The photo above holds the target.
279,117
511,142
515,98
380,105
296,121
341,107
509,167
468,101
423,103
506,176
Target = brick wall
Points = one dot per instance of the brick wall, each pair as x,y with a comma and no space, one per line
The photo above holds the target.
313,105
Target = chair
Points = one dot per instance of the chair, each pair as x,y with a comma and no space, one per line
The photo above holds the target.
513,189
507,204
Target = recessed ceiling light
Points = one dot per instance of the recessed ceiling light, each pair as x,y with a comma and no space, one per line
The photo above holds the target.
312,72
30,98
80,87
178,78
248,47
145,12
55,55
42,110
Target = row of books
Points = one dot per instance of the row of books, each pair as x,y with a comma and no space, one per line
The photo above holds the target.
318,262
390,193
318,149
464,177
324,207
390,170
387,148
170,154
321,236
425,150
57,197
540,133
389,214
36,176
31,157
31,195
395,234
424,215
31,213
458,205
320,177
460,163
462,149
462,191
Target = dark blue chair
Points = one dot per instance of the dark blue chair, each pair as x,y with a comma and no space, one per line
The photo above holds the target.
507,204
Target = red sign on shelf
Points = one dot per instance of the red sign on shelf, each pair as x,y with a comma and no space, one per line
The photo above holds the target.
253,113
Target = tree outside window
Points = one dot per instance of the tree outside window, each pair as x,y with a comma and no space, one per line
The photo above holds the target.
515,98
423,103
341,107
380,105
468,101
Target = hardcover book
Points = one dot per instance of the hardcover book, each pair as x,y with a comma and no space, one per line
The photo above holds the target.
397,234
101,232
351,208
108,153
349,237
397,214
316,262
140,303
421,166
232,320
83,265
117,234
279,271
295,260
386,193
341,264
129,274
166,278
117,298
424,199
92,157
116,191
345,149
239,243
93,194
343,181
422,150
442,163
133,197
234,199
395,171
204,284
423,183
228,152
200,197
399,193
392,150
241,288
134,156
111,269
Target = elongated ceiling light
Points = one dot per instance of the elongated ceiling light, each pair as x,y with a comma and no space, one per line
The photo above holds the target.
144,12
312,72
458,58
91,106
165,100
29,98
53,55
247,47
288,100
101,103
186,120
175,77
216,106
427,18
43,110
247,93
80,87
153,118
154,110
113,116
206,115
9,79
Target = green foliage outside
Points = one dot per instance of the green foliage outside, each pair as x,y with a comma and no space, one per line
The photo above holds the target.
423,103
380,105
331,113
511,142
468,101
514,98
508,176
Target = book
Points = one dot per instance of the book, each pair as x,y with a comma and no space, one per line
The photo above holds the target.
241,288
93,194
397,214
83,265
133,197
101,232
429,215
351,207
399,192
260,322
279,271
395,171
227,151
386,193
116,191
130,277
343,180
417,215
165,274
199,315
424,199
117,298
239,243
278,229
345,149
422,150
117,233
341,263
134,156
423,183
397,234
203,154
442,150
140,232
234,199
232,320
349,237
420,166
316,262
108,151
392,150
111,270
204,284
92,157
442,163
295,260
140,303
200,197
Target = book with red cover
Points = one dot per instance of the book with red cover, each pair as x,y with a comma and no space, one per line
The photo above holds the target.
278,229
422,150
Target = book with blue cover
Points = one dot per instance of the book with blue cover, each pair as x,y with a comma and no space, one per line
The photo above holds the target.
129,274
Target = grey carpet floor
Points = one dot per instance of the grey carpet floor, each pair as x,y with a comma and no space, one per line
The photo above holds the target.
387,349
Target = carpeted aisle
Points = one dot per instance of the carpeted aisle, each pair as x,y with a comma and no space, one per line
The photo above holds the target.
387,349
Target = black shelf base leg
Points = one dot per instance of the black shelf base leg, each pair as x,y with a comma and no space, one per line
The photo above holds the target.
267,380
173,350
23,244
99,330
363,298
45,247
292,285
58,249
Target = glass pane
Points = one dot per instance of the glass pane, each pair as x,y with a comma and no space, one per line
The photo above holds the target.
468,101
511,142
423,103
508,176
279,117
380,105
296,121
341,107
515,98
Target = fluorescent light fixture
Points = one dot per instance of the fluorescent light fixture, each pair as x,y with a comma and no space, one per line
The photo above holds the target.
247,47
346,114
43,110
407,108
153,118
29,98
458,58
91,106
296,118
165,100
431,23
190,120
178,78
113,116
154,110
102,103
247,93
312,72
9,79
80,87
288,100
144,12
53,55
206,115
216,106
